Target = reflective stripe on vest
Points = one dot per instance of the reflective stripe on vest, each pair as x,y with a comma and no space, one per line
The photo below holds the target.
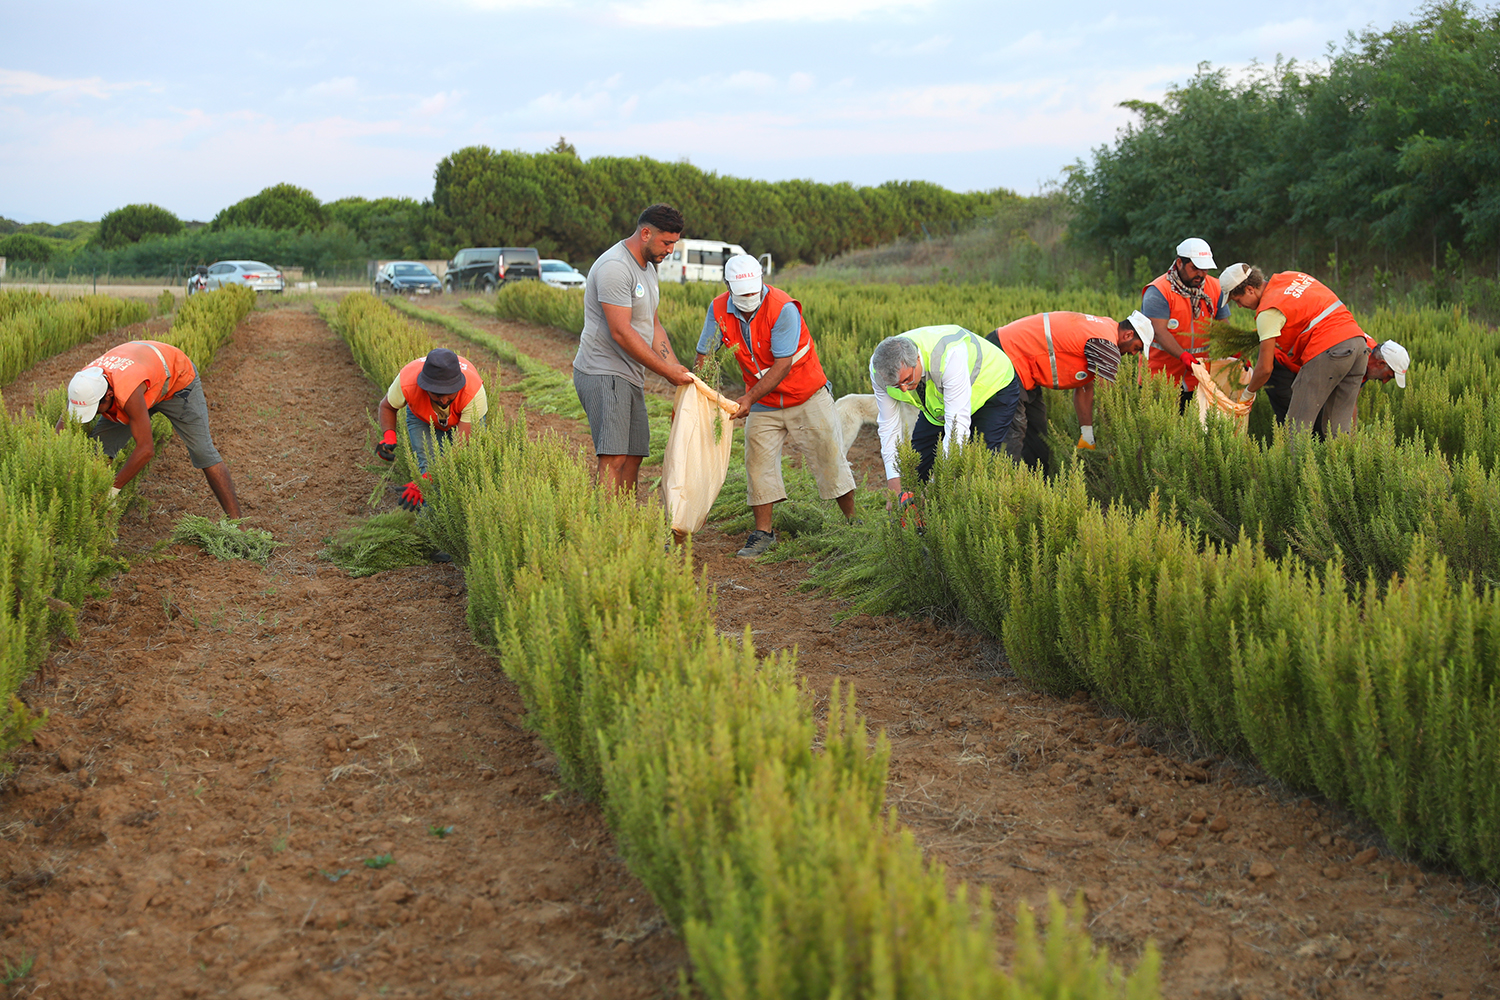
940,351
166,385
1051,347
1323,315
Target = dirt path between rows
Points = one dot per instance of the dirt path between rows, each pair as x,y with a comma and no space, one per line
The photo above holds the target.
229,745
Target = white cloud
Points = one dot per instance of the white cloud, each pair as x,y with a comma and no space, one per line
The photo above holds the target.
439,103
718,13
24,83
800,83
343,86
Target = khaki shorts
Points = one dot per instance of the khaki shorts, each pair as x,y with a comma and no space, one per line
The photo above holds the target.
813,427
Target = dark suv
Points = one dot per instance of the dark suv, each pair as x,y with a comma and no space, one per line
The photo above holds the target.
485,267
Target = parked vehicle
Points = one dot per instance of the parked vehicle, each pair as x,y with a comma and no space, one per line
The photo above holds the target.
697,260
406,277
251,273
486,267
198,282
561,274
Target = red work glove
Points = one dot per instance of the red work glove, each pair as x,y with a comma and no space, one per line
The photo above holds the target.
386,449
411,497
1188,360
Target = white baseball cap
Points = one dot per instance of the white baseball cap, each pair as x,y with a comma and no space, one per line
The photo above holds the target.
742,271
1144,330
1395,355
1233,276
84,393
1197,251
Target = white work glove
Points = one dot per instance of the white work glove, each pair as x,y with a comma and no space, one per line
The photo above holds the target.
114,491
1086,437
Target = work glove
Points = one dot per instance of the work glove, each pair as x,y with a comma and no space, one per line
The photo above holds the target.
1188,360
1086,438
908,499
386,449
411,497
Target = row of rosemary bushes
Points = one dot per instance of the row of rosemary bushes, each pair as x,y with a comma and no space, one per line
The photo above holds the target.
34,326
1326,608
764,837
1455,360
57,525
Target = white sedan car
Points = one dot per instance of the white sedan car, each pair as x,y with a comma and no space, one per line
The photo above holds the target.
250,273
560,274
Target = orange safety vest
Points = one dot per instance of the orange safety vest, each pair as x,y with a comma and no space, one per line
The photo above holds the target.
421,403
1191,331
1047,349
1315,318
163,368
806,376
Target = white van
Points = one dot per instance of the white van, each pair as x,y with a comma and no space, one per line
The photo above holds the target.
697,260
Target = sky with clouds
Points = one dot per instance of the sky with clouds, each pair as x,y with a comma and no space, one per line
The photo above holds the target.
195,106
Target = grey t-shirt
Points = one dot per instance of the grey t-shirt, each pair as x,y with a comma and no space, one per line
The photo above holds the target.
617,280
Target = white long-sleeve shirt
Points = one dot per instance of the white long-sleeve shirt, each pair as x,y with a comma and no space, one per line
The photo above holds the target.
957,390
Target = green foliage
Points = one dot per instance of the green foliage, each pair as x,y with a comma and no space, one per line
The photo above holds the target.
26,247
385,541
324,251
34,326
380,861
1393,146
575,209
57,524
225,539
134,223
1328,607
776,860
165,302
281,206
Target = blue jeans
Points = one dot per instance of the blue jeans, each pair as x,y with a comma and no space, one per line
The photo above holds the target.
992,421
425,440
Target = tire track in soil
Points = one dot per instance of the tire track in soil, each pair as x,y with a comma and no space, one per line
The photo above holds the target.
229,744
1248,890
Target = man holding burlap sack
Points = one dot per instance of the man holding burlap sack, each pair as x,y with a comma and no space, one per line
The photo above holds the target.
787,395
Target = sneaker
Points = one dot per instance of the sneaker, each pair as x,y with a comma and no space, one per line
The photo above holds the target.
758,544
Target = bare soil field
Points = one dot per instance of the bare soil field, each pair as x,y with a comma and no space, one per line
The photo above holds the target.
284,782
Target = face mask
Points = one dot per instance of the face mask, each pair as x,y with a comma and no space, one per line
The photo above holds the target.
747,304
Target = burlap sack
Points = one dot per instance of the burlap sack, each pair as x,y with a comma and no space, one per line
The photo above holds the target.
1220,391
697,457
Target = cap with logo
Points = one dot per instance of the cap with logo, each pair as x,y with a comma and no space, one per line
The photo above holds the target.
441,372
1197,251
1395,355
84,393
742,272
1143,329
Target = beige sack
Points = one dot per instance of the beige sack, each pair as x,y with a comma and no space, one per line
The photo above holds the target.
1221,391
697,458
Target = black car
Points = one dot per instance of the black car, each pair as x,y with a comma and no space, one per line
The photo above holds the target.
407,277
485,267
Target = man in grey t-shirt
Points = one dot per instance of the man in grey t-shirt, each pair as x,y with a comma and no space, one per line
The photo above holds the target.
622,338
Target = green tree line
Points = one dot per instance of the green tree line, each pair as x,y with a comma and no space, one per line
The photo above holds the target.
1389,154
562,205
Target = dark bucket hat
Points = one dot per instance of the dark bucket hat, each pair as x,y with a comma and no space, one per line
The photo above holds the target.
441,372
